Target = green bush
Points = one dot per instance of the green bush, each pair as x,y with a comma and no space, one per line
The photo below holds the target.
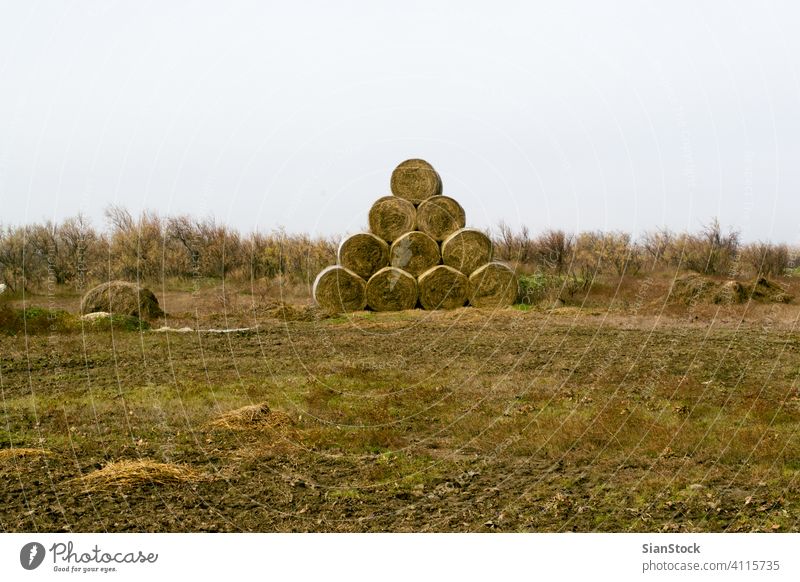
35,320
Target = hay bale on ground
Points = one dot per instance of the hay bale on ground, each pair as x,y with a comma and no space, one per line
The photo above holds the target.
493,285
440,216
255,416
466,250
414,252
128,473
121,298
443,287
767,291
415,180
730,293
391,289
364,254
338,289
691,288
391,217
695,288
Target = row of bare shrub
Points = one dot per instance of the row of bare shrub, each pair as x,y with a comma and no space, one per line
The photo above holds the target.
150,248
154,248
711,251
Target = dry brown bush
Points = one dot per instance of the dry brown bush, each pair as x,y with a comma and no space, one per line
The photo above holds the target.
157,250
766,259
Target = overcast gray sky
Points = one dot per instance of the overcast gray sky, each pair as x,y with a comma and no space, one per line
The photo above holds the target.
629,115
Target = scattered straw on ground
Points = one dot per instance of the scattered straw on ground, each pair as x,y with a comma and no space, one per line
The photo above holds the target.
288,312
255,416
10,454
128,473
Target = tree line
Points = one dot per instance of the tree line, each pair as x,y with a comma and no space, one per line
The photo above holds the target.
150,248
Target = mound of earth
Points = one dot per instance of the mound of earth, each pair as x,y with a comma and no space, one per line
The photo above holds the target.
695,288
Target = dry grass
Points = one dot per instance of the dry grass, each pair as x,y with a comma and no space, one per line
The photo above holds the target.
256,416
129,473
692,288
11,454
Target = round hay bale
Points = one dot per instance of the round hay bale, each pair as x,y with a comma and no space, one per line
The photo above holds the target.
364,254
443,287
414,252
415,180
466,250
493,285
440,216
391,217
121,298
338,289
392,289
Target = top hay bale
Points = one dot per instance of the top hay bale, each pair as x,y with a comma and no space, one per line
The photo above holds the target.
466,250
440,216
391,217
364,254
415,180
339,290
121,298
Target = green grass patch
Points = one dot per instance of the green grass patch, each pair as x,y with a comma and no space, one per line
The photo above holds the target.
35,320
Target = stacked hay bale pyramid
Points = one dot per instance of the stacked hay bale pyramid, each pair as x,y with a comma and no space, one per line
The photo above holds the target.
418,253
